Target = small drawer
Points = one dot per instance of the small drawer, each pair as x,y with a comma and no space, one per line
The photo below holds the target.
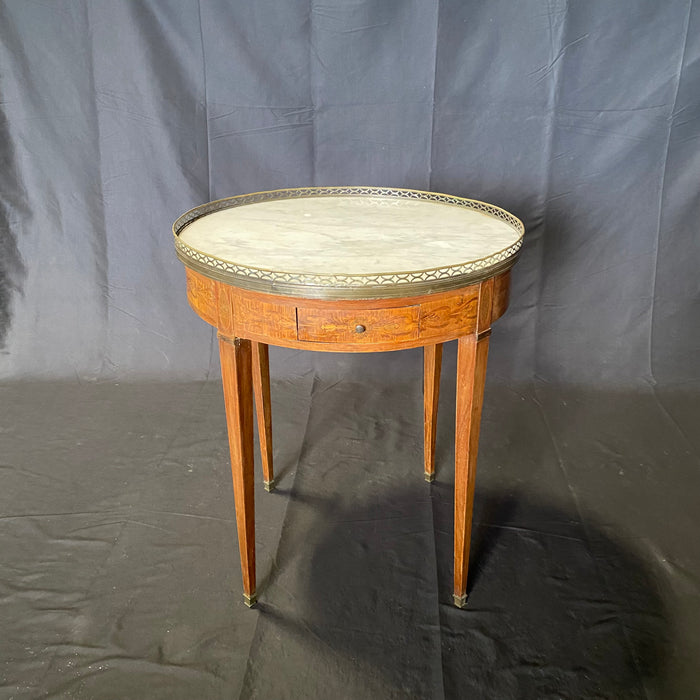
357,325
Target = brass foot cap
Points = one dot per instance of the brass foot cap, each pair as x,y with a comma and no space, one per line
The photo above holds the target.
250,600
269,485
430,477
460,600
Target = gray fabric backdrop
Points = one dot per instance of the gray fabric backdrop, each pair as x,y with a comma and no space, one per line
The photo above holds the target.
583,118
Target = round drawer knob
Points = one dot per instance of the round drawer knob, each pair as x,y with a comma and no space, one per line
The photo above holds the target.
359,328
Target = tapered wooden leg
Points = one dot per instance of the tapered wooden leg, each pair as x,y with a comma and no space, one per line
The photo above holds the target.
432,362
472,353
238,398
261,387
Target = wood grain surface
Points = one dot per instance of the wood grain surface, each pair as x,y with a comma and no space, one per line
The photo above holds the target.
471,374
432,363
238,399
263,406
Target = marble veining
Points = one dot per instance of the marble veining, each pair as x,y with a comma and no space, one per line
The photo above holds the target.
348,236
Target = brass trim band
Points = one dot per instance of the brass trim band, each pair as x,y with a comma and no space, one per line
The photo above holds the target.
366,292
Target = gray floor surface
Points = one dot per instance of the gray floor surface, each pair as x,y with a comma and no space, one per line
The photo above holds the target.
119,571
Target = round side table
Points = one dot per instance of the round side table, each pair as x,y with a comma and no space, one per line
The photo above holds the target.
349,269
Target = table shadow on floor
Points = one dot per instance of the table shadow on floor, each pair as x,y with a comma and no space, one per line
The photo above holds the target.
556,607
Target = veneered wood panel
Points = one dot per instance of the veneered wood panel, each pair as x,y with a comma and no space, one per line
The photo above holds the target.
501,295
264,319
450,315
225,296
201,293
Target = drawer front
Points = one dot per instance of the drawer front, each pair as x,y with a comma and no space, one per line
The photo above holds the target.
358,326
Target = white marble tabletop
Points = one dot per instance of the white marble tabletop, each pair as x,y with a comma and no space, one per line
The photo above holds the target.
333,240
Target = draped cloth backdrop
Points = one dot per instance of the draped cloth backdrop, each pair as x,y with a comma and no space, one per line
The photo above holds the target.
582,118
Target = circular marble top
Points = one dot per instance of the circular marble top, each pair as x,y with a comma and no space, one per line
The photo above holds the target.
348,242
